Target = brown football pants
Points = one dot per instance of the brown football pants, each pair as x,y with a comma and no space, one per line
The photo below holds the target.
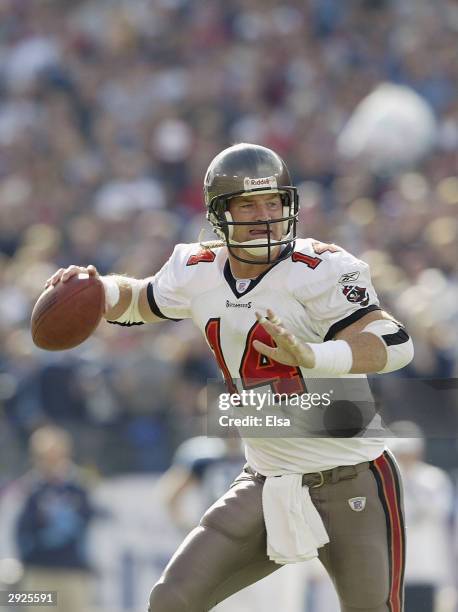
227,551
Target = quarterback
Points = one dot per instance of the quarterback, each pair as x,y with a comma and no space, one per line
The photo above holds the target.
277,310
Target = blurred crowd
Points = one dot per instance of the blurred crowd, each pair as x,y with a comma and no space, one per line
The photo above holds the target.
110,112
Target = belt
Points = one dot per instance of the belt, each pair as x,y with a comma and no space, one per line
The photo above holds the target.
318,479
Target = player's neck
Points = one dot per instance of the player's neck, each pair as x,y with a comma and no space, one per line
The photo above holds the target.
244,270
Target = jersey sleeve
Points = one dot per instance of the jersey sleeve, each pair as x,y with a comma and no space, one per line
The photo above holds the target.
168,292
341,296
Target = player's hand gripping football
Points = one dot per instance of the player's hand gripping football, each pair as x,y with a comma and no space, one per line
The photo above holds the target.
289,349
63,274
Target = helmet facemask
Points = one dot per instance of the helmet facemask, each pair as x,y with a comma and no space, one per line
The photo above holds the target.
263,249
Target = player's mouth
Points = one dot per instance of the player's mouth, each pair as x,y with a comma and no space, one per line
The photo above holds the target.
259,232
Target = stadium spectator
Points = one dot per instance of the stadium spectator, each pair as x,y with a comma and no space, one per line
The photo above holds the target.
206,465
428,500
52,526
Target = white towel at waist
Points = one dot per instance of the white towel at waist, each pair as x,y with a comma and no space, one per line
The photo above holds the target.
294,527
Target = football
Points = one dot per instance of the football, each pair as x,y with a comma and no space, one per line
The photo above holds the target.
66,314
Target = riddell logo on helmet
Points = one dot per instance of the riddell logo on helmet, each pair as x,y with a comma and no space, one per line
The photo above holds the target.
268,182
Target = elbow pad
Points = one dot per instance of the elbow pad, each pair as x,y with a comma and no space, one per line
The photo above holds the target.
398,344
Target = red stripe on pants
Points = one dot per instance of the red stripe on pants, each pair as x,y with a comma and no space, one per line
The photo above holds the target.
388,477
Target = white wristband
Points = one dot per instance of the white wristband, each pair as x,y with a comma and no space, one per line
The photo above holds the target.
332,357
111,291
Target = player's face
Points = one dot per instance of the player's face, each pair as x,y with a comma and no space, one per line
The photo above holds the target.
264,207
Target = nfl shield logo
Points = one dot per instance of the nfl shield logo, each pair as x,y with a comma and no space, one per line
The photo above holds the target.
357,503
242,285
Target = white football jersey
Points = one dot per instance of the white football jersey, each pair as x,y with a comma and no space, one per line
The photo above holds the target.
315,297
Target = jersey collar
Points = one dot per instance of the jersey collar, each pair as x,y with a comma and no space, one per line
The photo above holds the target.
232,282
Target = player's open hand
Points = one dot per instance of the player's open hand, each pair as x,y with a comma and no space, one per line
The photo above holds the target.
63,274
289,349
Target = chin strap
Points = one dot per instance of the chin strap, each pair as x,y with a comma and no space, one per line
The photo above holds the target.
252,248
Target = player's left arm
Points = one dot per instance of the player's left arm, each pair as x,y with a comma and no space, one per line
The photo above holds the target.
374,343
370,350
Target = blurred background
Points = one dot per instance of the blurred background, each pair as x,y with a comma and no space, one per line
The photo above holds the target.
110,112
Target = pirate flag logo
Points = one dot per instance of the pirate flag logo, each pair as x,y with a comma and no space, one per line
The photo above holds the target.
356,295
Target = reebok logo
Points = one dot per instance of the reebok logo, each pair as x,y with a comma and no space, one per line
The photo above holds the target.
349,277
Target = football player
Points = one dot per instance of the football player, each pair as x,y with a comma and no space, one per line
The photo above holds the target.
273,311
